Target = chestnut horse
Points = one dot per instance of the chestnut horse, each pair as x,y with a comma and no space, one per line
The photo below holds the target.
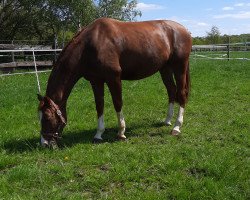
108,51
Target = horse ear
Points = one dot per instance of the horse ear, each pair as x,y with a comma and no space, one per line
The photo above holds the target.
40,97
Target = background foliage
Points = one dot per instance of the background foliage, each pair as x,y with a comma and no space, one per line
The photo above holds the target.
214,37
45,19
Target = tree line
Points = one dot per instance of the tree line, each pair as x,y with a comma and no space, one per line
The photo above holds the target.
46,19
215,37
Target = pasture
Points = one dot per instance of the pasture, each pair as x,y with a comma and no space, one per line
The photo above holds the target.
210,160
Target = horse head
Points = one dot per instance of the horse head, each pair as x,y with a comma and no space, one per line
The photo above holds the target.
52,121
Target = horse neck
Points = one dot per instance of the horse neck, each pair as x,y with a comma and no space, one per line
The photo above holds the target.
60,85
66,72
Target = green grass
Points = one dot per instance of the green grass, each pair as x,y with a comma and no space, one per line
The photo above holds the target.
209,161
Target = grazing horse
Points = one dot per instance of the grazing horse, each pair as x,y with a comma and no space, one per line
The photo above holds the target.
108,51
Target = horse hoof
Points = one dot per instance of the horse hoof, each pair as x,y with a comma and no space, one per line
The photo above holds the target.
168,123
175,133
97,141
121,138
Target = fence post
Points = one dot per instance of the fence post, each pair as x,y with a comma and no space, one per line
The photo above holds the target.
12,53
55,47
228,49
245,49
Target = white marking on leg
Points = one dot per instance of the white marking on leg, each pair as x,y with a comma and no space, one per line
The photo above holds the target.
170,114
100,128
179,120
121,125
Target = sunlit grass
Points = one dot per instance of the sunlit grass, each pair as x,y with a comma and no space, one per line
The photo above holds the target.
209,161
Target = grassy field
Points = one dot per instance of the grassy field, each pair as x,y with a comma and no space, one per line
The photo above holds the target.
211,159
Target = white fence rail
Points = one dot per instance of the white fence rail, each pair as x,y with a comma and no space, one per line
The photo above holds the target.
33,63
211,52
30,50
233,51
36,72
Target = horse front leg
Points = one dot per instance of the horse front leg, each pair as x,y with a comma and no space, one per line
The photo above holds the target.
168,80
115,88
98,89
183,86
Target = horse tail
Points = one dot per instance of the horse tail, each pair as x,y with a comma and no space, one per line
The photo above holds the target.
188,82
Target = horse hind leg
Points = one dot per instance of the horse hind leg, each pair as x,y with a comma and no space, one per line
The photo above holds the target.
168,80
121,125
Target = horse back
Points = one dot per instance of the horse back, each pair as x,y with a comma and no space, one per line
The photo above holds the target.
137,49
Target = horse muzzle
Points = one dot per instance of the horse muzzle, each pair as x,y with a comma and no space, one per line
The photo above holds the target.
51,142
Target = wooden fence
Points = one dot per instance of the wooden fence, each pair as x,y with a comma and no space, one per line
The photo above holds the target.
27,59
22,56
233,51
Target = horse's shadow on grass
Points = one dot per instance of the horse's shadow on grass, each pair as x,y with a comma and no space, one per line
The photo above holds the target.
71,138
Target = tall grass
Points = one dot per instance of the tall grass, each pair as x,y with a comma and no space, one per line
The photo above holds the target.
209,161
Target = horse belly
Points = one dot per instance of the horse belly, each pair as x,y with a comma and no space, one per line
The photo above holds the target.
136,67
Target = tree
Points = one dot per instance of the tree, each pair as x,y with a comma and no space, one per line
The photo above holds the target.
11,17
199,41
213,35
45,19
120,9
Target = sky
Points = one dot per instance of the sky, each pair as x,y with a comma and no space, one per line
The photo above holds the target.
198,16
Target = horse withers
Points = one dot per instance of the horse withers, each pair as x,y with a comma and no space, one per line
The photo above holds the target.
109,51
